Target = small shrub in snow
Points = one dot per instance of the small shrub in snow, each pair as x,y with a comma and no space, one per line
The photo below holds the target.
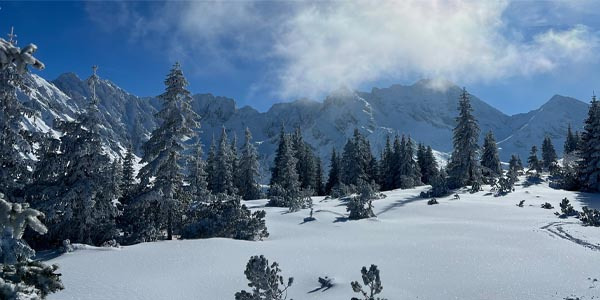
226,217
341,190
361,206
439,186
432,201
371,282
590,217
326,282
566,209
547,205
521,203
265,281
505,185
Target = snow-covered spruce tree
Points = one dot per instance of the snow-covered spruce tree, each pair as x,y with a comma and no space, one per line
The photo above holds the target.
305,166
571,142
409,174
117,178
266,283
319,187
532,161
211,165
387,166
356,160
463,167
160,202
549,157
197,177
74,184
589,166
333,178
128,181
223,176
439,185
15,142
372,284
514,164
490,160
20,276
249,187
361,206
235,162
224,216
427,163
285,188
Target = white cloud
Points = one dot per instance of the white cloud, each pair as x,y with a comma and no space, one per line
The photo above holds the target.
356,42
311,48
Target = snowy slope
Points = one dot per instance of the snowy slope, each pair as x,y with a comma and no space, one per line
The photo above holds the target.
478,247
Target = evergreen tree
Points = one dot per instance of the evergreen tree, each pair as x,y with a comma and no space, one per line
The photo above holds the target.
319,187
514,164
439,185
20,276
278,162
285,190
549,157
333,179
197,179
74,184
589,167
223,176
372,283
464,168
532,160
249,187
117,178
235,163
361,206
15,142
571,142
356,160
211,165
395,162
490,160
306,165
428,166
161,201
387,166
128,181
266,283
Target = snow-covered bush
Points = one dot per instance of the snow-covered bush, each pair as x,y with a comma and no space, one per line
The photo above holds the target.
547,205
432,201
439,186
294,198
341,190
20,277
566,209
361,206
371,282
226,217
265,281
505,185
590,217
521,203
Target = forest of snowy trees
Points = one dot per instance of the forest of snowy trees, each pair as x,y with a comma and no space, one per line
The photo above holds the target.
83,195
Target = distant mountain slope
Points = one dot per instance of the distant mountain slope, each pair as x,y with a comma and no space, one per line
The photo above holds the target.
426,114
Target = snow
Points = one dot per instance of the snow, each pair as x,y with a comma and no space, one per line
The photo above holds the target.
478,247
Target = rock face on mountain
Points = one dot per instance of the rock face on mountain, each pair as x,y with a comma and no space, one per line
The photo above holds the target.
424,113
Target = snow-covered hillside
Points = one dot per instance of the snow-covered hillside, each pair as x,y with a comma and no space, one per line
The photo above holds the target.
477,247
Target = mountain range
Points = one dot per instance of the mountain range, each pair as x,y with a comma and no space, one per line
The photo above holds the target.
424,113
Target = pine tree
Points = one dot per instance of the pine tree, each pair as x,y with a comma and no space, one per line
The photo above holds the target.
211,165
223,176
20,276
161,201
285,190
249,187
128,181
490,160
74,182
589,167
514,164
464,168
235,163
319,187
15,142
371,281
117,178
197,179
549,157
306,165
387,166
333,179
266,283
533,162
278,162
571,142
356,160
409,173
429,166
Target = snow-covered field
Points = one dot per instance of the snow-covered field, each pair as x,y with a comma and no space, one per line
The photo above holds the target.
478,247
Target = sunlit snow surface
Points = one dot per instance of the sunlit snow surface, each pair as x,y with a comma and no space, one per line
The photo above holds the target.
478,247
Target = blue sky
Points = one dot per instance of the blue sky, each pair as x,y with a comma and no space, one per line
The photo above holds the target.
514,55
